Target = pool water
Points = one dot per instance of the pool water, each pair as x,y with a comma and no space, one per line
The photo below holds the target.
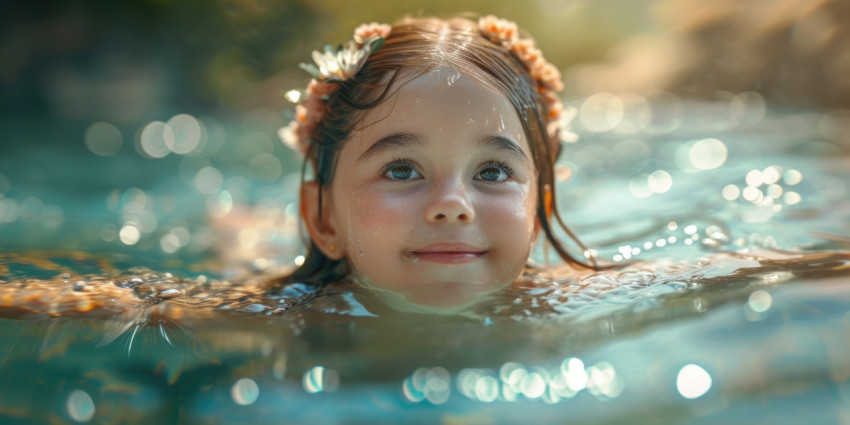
154,301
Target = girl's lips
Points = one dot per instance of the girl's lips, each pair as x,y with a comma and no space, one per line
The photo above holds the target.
448,253
447,257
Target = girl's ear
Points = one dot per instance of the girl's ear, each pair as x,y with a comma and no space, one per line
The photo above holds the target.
320,227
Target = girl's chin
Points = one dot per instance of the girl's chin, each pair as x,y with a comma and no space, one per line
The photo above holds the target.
441,297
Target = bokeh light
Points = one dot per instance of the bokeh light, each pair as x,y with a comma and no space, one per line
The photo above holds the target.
731,192
129,235
660,181
792,177
639,186
245,392
208,180
80,406
603,381
320,379
574,374
532,385
759,301
693,381
186,133
156,138
265,166
487,388
437,386
791,198
103,138
708,154
601,112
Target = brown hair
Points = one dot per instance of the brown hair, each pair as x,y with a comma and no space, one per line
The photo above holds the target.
413,47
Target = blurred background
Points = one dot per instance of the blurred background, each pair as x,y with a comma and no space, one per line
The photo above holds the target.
150,126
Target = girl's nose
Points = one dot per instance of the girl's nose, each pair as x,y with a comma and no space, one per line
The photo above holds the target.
450,205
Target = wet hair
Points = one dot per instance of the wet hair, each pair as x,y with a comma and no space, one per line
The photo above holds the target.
416,46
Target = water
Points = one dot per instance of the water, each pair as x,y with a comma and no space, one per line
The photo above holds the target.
154,301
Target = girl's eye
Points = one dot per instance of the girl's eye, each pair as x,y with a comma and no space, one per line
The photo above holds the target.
399,170
495,171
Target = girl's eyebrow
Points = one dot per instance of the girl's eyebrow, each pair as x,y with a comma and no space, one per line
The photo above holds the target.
390,142
503,143
398,140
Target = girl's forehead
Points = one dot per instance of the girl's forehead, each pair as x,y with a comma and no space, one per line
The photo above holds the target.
443,99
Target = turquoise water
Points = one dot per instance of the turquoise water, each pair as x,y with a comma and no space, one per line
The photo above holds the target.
730,302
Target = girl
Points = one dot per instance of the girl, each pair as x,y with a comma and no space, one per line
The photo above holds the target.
433,145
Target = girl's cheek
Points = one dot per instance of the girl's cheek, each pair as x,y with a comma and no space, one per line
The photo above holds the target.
518,209
376,215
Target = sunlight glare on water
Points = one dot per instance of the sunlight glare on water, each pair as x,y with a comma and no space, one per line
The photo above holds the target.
693,381
574,374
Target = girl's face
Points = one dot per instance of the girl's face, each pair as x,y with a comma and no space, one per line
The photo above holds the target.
434,195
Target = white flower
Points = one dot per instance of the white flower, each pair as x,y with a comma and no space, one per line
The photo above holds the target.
342,64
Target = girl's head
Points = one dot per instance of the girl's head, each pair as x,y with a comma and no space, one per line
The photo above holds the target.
433,158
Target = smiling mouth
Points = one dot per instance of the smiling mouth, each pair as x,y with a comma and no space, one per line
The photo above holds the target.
448,254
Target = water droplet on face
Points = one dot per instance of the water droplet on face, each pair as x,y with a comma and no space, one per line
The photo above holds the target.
501,123
470,121
418,100
486,122
415,259
453,77
362,252
493,109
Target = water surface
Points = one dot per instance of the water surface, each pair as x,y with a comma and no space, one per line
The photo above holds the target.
156,300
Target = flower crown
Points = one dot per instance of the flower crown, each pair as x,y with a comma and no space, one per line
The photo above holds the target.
335,66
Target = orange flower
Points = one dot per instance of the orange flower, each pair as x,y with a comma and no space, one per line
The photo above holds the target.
525,50
320,88
547,74
371,30
498,30
300,113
